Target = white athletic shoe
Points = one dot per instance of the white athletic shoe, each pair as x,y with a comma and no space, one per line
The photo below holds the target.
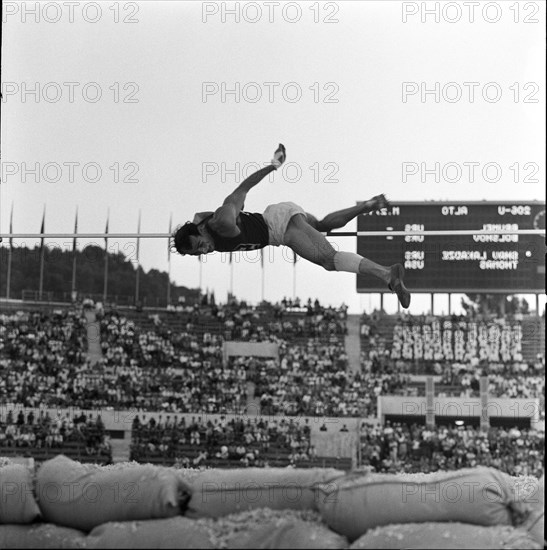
280,156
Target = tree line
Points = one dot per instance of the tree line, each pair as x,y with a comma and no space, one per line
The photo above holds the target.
58,268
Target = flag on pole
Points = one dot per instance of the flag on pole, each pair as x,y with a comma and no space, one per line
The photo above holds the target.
74,256
138,238
10,248
105,282
75,231
11,226
169,239
43,227
138,262
42,231
106,228
169,260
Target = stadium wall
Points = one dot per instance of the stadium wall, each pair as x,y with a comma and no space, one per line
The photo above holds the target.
249,349
334,437
460,407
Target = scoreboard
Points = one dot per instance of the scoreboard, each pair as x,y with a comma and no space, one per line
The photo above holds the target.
494,263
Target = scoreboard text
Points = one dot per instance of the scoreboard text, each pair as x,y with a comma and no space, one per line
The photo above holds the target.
493,263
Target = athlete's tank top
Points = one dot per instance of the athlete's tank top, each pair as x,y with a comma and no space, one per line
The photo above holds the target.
254,234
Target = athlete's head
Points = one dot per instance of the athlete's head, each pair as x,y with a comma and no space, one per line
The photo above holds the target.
188,239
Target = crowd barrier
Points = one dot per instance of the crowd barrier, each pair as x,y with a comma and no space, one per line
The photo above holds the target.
71,505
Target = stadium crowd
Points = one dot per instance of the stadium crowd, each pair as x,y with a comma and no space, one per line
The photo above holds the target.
188,375
42,356
397,447
322,386
313,321
287,319
26,432
43,361
458,353
243,443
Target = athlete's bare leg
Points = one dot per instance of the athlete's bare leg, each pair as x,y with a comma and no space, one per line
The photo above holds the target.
340,218
313,246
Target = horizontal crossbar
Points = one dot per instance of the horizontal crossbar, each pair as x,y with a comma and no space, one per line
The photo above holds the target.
438,233
432,233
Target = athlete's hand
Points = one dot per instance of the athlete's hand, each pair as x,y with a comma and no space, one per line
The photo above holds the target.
280,156
378,202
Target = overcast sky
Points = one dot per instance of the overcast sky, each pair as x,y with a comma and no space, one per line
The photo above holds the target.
341,84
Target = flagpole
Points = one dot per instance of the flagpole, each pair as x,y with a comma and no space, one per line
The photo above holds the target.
200,273
73,289
262,268
105,282
137,281
8,280
294,282
294,276
42,230
231,276
169,262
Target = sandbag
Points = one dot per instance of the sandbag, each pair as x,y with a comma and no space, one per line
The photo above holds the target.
176,532
216,493
445,535
480,496
40,535
531,492
287,533
84,496
266,528
17,502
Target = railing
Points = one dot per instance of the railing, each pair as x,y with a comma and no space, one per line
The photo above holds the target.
49,297
40,454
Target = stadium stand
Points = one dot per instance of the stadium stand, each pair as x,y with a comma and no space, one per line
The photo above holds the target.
172,362
397,447
458,352
81,438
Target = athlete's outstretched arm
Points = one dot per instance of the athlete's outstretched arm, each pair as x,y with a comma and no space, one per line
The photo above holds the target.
200,216
224,219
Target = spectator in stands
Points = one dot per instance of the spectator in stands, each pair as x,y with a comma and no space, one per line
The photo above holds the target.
516,452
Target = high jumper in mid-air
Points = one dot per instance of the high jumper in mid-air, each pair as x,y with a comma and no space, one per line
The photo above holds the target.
229,229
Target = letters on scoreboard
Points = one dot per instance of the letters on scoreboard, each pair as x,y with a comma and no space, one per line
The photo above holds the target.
491,263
